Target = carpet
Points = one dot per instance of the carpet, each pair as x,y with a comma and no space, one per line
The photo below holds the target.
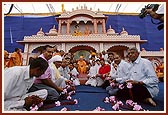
89,98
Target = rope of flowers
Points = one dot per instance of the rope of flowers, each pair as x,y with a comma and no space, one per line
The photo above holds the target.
64,95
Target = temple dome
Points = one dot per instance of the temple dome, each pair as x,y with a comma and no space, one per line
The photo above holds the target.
52,32
111,31
123,32
40,33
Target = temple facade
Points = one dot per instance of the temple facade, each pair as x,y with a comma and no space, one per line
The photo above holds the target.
81,31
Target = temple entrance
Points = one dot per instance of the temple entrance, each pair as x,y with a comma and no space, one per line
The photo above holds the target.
85,52
81,51
118,49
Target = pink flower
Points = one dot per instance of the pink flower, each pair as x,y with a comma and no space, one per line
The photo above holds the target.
106,100
112,98
137,107
121,86
71,92
40,104
76,101
35,108
130,103
64,91
129,85
120,103
69,97
64,109
57,103
99,109
116,107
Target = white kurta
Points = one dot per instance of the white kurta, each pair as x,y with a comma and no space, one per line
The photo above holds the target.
16,85
74,77
92,73
58,80
64,72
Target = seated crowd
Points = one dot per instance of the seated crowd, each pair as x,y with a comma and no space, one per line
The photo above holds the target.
47,75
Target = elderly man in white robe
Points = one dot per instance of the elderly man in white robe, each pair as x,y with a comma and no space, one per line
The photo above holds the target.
54,63
18,80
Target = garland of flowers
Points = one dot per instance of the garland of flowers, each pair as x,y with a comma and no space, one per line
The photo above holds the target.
117,104
64,95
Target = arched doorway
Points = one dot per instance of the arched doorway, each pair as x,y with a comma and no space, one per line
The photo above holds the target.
118,49
81,51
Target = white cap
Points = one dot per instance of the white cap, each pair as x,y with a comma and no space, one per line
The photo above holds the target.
55,58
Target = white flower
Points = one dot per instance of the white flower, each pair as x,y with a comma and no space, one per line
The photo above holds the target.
76,101
57,103
64,109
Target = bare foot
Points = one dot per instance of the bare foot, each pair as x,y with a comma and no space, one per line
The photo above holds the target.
150,101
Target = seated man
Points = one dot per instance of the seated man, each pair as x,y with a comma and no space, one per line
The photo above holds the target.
64,70
143,78
17,81
81,65
44,81
119,72
92,74
74,74
55,63
104,72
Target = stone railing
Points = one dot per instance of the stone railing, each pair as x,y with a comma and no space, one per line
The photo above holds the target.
81,10
152,53
91,37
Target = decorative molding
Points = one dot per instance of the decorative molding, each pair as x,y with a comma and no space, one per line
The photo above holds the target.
81,11
89,38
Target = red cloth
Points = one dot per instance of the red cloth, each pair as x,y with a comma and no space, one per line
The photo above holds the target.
104,69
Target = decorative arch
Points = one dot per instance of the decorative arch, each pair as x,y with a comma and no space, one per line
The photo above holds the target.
82,50
81,47
118,49
87,16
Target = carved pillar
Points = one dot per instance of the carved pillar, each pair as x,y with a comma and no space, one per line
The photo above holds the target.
68,27
59,27
25,54
137,45
103,26
101,47
95,26
63,47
